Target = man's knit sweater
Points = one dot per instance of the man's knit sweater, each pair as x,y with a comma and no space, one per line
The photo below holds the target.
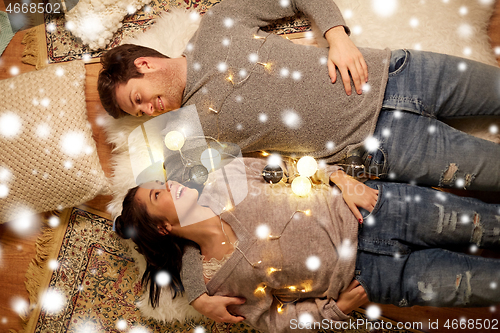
290,105
313,257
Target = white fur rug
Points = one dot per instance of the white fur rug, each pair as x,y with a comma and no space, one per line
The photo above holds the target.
95,21
456,27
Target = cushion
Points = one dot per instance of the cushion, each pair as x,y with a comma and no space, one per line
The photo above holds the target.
48,159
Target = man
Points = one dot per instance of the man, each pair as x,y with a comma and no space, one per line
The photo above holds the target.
261,91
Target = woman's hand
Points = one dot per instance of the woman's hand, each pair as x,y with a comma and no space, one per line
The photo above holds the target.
215,308
345,56
355,193
351,298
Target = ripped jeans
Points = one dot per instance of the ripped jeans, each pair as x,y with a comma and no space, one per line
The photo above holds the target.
414,145
403,248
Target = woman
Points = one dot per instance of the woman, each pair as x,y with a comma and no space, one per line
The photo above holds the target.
291,256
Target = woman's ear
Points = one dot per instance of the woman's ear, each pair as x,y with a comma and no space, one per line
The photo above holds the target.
165,229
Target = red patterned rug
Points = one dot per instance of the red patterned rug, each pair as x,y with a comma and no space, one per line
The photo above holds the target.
94,287
56,44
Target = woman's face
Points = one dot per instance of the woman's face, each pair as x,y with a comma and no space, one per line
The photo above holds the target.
172,202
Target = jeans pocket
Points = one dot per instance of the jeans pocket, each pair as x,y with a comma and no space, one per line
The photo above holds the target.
399,60
376,162
366,213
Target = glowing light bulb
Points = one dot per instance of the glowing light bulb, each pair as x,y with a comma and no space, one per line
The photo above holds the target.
307,166
260,290
271,270
266,65
174,140
210,159
301,186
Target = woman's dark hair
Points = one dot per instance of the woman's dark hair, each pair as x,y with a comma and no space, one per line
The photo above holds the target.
162,252
118,67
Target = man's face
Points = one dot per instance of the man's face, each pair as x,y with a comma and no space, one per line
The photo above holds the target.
157,92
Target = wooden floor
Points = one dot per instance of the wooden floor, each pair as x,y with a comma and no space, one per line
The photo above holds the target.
16,252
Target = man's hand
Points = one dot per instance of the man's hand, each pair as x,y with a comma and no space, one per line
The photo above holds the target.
215,308
345,56
351,298
355,193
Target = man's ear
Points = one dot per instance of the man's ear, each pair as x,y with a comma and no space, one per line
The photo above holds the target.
165,229
143,64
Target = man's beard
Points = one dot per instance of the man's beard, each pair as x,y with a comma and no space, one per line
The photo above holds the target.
169,87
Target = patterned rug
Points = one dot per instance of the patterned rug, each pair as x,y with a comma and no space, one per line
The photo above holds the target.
56,44
93,288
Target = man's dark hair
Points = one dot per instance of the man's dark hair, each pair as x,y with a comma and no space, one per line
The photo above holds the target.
118,67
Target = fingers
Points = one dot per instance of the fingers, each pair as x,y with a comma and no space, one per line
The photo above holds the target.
354,283
359,73
231,319
357,77
356,212
346,79
354,71
364,68
332,71
234,300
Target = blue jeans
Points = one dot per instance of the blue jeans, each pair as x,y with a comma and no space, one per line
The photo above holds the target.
417,147
403,248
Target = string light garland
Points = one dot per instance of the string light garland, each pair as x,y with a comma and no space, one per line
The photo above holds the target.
261,289
306,166
298,178
236,84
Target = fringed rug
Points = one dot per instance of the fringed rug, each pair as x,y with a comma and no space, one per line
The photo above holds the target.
49,42
92,286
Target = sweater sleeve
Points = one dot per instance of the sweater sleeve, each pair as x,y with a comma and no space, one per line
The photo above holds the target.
306,310
298,316
261,13
326,15
192,273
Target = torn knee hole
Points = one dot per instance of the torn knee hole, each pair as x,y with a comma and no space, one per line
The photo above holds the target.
449,174
477,232
458,280
468,179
